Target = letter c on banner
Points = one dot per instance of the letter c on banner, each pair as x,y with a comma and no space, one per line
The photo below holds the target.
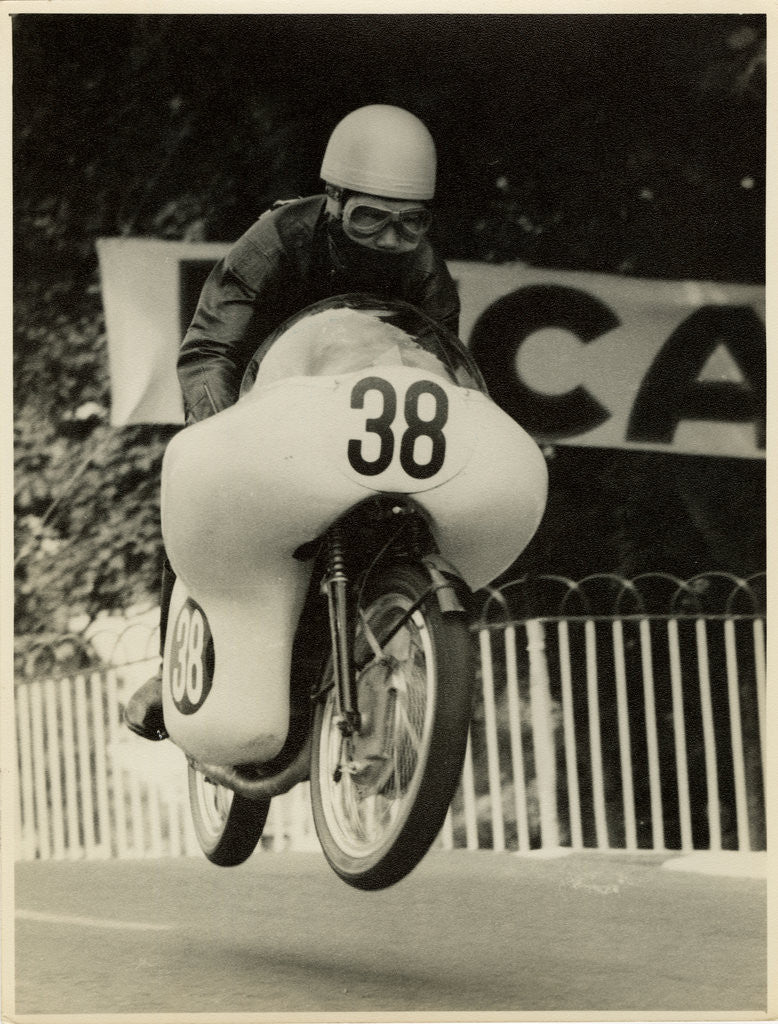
499,334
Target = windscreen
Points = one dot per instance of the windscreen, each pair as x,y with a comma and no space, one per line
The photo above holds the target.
348,333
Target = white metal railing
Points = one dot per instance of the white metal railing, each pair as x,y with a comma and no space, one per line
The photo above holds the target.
628,731
90,789
632,729
656,753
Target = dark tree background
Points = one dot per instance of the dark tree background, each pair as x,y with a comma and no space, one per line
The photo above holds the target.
630,144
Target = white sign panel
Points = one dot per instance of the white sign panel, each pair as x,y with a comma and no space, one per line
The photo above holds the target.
576,358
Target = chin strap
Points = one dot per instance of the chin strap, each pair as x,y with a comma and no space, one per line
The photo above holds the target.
336,197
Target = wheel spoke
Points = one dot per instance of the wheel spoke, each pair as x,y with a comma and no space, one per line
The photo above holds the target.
369,803
378,807
215,803
410,730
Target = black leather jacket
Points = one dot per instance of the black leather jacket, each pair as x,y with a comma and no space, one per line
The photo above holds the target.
291,257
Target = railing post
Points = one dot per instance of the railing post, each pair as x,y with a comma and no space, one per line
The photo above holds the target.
595,735
74,846
54,770
736,736
542,734
39,773
761,683
117,769
26,795
652,740
492,746
96,690
679,733
625,745
517,743
708,738
468,798
571,747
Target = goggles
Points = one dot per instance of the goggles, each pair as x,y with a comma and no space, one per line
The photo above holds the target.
363,220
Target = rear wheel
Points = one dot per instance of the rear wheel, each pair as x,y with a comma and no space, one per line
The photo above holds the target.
381,795
227,825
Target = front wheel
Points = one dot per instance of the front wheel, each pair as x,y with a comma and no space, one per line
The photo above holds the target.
381,795
227,825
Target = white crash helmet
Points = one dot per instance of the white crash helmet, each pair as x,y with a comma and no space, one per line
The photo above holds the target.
382,151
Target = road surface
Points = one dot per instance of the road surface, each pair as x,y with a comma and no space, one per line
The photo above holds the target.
466,933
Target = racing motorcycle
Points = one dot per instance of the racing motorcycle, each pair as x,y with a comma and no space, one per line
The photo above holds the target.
328,532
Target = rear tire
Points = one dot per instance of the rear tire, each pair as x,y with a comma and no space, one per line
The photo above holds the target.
227,825
380,797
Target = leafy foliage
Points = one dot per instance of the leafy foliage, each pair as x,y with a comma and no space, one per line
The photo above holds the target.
628,144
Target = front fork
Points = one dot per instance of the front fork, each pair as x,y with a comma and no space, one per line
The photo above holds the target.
335,585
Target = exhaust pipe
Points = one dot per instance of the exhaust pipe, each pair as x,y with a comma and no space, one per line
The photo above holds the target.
262,788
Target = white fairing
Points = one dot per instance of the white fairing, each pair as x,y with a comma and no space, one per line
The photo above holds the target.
243,490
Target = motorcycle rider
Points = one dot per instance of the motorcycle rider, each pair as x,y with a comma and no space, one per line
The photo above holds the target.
366,233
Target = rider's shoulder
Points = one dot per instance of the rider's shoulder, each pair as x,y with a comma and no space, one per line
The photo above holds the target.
295,220
298,206
286,223
285,213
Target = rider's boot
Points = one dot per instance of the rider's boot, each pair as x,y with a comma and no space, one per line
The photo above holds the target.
143,713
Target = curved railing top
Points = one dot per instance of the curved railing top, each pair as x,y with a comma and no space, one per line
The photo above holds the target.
610,594
135,639
115,641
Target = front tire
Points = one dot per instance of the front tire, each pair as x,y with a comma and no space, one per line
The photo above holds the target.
227,825
380,796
